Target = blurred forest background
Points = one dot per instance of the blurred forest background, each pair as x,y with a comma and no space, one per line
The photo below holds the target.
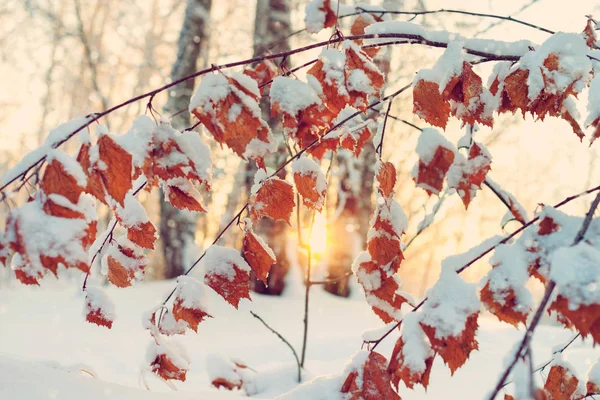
63,58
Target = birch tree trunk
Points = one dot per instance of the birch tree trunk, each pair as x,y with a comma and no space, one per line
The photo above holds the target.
272,24
177,227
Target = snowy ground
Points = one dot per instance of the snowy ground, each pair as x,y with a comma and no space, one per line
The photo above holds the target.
43,336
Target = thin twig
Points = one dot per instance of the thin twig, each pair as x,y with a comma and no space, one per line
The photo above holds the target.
307,291
332,280
284,341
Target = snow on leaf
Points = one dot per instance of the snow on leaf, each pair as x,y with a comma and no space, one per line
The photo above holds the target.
183,195
412,357
227,105
99,309
310,182
262,73
258,254
367,378
191,302
364,19
227,273
274,199
467,175
304,114
95,187
449,318
363,78
230,374
436,155
593,378
589,33
327,77
63,176
123,262
429,104
385,178
167,359
319,14
387,227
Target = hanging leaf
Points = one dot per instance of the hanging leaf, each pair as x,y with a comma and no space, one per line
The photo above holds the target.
191,302
227,273
273,198
367,378
436,156
385,178
319,15
123,263
466,176
99,309
258,254
115,168
310,182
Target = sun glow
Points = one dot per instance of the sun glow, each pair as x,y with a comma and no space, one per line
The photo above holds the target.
318,239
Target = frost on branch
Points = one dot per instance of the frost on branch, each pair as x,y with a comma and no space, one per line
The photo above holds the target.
544,79
367,378
167,359
436,155
449,318
227,273
467,175
230,374
191,305
320,14
271,197
98,307
504,292
310,182
257,253
228,106
123,262
412,357
451,86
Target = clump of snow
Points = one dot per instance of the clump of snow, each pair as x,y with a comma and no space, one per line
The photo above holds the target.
449,303
457,261
416,347
71,166
593,374
192,293
98,300
449,65
370,335
315,14
576,270
221,260
292,95
429,141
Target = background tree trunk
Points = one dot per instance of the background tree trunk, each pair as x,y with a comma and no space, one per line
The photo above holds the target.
272,24
177,227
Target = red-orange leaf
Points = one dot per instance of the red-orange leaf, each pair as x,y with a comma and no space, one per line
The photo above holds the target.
184,197
375,383
262,73
507,311
386,178
258,255
310,183
399,370
227,273
56,180
115,168
454,350
144,235
562,384
319,15
99,309
429,104
585,318
274,199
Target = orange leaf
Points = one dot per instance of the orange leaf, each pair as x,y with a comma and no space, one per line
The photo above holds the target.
99,309
507,311
116,168
319,15
562,384
589,33
258,255
95,187
262,73
183,197
228,107
310,183
231,290
274,199
467,176
144,235
192,316
375,383
399,370
454,350
331,79
386,178
124,263
164,367
56,180
585,318
430,176
429,104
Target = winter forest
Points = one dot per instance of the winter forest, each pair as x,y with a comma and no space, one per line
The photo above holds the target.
299,199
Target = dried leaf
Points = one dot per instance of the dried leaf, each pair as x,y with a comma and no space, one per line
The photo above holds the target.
307,187
193,316
561,383
231,290
56,180
262,73
184,197
99,309
585,318
454,350
386,178
431,176
274,199
144,235
164,367
399,370
429,104
115,168
95,187
375,383
506,312
258,255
